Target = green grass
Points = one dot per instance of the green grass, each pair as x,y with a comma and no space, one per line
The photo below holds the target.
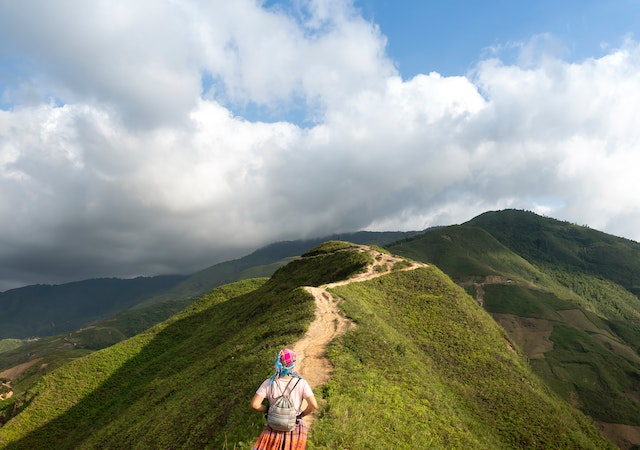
605,297
425,367
468,253
583,369
542,240
10,344
185,382
179,371
55,351
524,302
434,371
556,277
330,247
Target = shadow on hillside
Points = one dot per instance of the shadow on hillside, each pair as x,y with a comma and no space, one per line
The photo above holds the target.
150,394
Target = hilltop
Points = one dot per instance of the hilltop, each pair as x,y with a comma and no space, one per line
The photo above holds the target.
438,369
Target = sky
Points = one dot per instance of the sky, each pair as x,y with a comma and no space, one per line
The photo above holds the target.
156,136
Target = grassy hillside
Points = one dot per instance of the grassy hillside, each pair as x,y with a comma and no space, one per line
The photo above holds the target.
147,310
49,310
44,355
565,245
197,369
436,369
425,367
579,329
469,254
9,344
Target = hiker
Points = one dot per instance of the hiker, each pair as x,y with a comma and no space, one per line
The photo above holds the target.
284,382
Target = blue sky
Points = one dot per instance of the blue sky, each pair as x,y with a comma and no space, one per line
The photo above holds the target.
149,137
449,37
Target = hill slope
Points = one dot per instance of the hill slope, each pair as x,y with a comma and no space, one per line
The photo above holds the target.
74,304
263,262
545,240
437,369
579,329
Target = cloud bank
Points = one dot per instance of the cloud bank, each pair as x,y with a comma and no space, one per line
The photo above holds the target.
162,137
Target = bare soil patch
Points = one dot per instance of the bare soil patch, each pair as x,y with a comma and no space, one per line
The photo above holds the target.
489,279
624,436
532,335
13,373
16,371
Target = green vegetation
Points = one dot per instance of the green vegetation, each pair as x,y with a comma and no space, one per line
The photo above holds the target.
524,302
174,384
10,344
435,371
331,261
606,298
262,263
580,281
468,253
330,247
425,367
438,372
191,370
582,368
43,310
543,240
54,351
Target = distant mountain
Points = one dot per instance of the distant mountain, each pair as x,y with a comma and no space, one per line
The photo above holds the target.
424,367
566,295
44,310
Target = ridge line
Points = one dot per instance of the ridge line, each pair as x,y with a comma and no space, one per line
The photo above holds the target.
329,323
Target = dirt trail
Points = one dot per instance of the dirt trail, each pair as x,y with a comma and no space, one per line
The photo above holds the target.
329,323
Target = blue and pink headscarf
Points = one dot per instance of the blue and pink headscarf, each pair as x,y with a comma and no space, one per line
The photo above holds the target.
285,363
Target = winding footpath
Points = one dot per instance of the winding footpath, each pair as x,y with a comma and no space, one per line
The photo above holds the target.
329,323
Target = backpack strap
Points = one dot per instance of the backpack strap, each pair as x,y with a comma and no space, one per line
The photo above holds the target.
282,391
294,386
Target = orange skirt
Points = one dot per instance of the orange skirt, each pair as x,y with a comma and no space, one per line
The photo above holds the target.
282,440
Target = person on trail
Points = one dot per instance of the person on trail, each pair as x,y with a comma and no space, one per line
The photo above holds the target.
284,380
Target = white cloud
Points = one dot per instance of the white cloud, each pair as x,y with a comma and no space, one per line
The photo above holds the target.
130,170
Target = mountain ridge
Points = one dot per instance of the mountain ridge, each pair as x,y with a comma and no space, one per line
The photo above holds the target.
574,322
436,366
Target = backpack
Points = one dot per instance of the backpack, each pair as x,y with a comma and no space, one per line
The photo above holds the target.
282,414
